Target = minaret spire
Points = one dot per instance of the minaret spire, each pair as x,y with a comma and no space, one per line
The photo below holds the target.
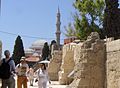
58,23
58,10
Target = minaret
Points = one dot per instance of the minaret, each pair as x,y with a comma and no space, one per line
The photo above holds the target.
58,32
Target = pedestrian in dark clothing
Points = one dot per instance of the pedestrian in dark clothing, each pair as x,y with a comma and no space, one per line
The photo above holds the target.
9,82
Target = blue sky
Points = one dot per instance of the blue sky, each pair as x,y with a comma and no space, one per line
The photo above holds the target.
35,18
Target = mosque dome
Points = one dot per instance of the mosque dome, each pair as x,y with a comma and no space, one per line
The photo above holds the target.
38,44
35,54
29,51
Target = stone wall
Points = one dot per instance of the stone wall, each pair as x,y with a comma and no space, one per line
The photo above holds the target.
113,64
89,67
95,65
67,64
54,66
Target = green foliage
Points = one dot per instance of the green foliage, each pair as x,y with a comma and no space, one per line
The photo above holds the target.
69,30
92,9
45,51
81,27
88,18
18,50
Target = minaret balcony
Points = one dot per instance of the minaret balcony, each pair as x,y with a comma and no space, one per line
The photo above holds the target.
58,32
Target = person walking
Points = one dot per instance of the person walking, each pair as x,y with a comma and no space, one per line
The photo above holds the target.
42,76
31,76
21,70
8,66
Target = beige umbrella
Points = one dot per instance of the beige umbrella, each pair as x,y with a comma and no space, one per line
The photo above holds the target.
44,61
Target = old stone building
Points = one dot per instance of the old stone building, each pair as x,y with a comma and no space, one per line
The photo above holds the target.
113,64
89,67
68,64
54,65
35,48
33,53
97,63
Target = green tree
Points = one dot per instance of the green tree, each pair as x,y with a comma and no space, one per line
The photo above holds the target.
89,17
45,51
112,19
69,30
18,50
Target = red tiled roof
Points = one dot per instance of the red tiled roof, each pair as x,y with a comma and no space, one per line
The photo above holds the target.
69,40
32,59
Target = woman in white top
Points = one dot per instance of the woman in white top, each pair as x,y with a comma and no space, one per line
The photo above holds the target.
31,76
42,76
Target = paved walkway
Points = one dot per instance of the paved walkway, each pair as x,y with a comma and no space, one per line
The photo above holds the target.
54,84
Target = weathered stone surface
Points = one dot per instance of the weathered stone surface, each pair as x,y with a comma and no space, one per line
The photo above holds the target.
113,64
67,64
113,46
89,67
90,62
54,66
